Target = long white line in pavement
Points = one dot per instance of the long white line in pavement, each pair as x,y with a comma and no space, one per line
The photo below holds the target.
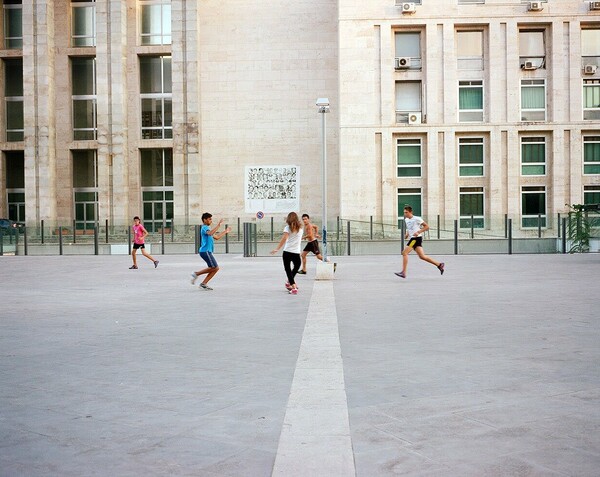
315,438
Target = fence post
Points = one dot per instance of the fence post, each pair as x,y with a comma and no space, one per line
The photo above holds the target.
505,226
271,229
162,239
338,228
74,238
106,230
42,221
558,225
348,239
60,245
472,227
438,226
129,240
96,233
371,227
1,242
17,240
455,237
509,236
226,240
539,225
238,228
25,239
564,235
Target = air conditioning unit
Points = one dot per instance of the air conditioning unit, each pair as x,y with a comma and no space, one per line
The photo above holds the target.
535,6
594,5
414,118
402,63
408,7
590,69
529,65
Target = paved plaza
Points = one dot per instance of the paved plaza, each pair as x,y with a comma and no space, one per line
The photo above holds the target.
492,369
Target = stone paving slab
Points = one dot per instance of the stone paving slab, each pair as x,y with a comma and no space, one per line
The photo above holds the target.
490,369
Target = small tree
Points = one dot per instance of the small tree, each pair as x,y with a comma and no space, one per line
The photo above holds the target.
579,229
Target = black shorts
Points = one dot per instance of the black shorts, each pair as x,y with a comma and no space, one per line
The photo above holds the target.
313,247
138,245
415,242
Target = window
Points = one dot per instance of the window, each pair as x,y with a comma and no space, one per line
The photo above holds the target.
470,156
591,99
410,197
590,47
533,100
13,24
471,207
157,187
532,48
533,206
13,97
15,185
408,100
408,45
85,125
591,155
469,50
156,95
85,189
83,23
470,101
409,157
533,156
591,194
155,22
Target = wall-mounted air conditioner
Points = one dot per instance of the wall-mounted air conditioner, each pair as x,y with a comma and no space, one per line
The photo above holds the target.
414,118
407,7
590,69
402,63
535,6
594,5
528,65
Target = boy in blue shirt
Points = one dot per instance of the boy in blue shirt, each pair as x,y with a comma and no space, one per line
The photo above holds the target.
207,237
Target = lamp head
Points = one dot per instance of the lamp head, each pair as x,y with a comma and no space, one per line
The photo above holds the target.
323,104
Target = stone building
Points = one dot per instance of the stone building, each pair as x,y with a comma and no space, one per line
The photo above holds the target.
466,110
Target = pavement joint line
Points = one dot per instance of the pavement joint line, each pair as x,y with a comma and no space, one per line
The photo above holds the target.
315,437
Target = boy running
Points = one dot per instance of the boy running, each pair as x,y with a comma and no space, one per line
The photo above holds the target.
207,237
139,235
415,227
312,245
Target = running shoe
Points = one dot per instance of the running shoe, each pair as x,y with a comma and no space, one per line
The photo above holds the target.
400,274
294,291
301,272
288,286
155,263
133,267
205,287
441,268
194,278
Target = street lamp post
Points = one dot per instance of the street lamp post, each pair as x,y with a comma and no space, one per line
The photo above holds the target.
323,105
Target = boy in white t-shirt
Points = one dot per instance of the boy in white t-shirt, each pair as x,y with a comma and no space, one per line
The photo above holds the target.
415,227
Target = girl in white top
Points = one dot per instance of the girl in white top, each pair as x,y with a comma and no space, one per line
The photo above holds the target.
291,238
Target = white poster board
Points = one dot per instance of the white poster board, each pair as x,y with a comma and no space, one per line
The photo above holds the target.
272,189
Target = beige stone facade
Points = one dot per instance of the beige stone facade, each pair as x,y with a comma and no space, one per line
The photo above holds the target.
245,77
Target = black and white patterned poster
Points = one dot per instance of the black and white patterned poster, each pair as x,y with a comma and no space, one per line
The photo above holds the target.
272,189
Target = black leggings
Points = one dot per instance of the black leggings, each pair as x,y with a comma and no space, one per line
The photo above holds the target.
290,258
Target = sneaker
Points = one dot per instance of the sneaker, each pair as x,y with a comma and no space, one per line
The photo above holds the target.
155,263
400,274
133,267
204,287
301,272
294,291
441,268
194,278
288,286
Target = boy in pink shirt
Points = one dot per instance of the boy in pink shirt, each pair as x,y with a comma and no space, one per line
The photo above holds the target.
139,234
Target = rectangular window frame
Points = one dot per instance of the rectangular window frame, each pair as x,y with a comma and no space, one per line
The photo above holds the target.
157,120
591,155
528,167
415,58
87,38
402,113
465,167
403,170
477,218
406,192
533,114
14,112
531,221
470,62
15,185
591,95
164,35
10,16
158,199
538,60
85,209
470,115
90,130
